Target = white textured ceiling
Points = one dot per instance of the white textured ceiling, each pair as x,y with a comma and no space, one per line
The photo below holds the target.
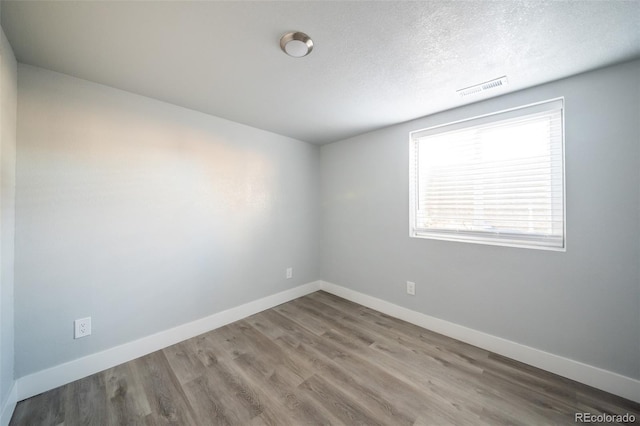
373,63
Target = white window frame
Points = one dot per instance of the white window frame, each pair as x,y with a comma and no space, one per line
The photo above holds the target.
488,238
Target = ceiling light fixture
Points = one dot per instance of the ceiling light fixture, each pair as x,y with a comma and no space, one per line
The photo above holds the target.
296,44
487,85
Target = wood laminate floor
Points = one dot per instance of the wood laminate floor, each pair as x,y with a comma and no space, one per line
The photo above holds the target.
319,360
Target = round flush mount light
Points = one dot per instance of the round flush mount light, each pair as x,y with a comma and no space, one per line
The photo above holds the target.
296,44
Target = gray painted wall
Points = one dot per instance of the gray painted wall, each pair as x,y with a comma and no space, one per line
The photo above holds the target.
145,215
583,304
8,102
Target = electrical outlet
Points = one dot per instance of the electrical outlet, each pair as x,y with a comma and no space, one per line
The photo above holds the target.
289,273
411,288
82,327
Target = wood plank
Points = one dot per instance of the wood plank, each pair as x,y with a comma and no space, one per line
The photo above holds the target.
44,409
127,401
164,392
184,360
323,360
292,331
455,364
337,402
404,396
280,388
223,393
375,398
399,329
332,319
205,399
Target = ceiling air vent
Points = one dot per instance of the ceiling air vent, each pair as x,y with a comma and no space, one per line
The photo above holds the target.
487,85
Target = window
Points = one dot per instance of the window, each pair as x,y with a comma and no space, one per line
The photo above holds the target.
496,179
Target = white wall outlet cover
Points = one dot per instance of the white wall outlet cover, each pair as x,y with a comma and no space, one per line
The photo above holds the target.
82,327
289,273
411,288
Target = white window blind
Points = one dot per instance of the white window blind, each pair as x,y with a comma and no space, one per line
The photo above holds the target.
496,179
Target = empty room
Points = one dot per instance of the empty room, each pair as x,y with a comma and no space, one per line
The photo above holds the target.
319,212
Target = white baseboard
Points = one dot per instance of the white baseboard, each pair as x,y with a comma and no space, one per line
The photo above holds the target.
61,374
6,410
608,381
